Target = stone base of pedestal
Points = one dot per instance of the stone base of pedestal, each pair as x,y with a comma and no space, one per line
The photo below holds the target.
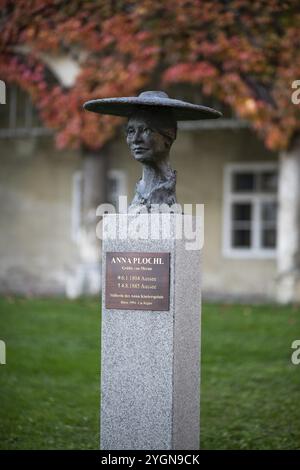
150,360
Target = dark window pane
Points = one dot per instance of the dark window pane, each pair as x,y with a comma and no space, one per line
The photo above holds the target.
268,181
21,103
4,112
243,182
241,211
269,212
269,238
35,119
241,238
112,185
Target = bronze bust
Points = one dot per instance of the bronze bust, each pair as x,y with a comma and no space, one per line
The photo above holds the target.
150,133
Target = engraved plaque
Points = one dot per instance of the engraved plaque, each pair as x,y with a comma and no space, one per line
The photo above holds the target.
137,281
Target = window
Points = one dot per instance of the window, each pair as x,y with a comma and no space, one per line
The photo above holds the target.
76,211
250,210
116,186
18,117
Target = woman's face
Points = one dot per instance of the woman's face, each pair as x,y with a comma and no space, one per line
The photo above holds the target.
146,144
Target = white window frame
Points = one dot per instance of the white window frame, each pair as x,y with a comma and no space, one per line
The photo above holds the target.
120,177
76,207
256,198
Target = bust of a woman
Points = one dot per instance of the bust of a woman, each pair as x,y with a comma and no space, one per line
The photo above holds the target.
149,136
150,132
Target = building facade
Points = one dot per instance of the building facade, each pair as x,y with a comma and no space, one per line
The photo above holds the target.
48,243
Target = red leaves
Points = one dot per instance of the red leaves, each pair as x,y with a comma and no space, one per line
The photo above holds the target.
238,52
190,73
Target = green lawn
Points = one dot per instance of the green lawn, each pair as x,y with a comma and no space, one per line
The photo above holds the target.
49,388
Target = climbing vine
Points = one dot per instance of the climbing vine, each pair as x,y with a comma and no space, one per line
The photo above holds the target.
244,53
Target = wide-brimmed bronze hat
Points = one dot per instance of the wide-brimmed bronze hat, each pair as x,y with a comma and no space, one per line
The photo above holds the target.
152,100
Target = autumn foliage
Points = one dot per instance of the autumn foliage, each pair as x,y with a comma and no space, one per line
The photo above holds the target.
243,53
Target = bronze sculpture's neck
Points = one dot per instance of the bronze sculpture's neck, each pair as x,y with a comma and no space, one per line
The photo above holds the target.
150,135
158,170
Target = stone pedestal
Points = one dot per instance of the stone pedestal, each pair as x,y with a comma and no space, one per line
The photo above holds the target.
150,360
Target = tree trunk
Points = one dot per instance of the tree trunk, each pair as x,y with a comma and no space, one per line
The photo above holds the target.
289,224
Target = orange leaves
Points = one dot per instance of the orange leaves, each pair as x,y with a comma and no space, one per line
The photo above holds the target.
190,73
245,54
276,138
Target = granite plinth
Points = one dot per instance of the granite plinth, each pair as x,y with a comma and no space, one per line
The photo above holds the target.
150,360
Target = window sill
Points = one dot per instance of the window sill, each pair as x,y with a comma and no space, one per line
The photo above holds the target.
249,254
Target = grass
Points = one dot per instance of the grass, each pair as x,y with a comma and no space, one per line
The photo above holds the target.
250,388
49,388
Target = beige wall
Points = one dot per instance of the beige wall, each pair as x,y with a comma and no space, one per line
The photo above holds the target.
36,250
199,157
